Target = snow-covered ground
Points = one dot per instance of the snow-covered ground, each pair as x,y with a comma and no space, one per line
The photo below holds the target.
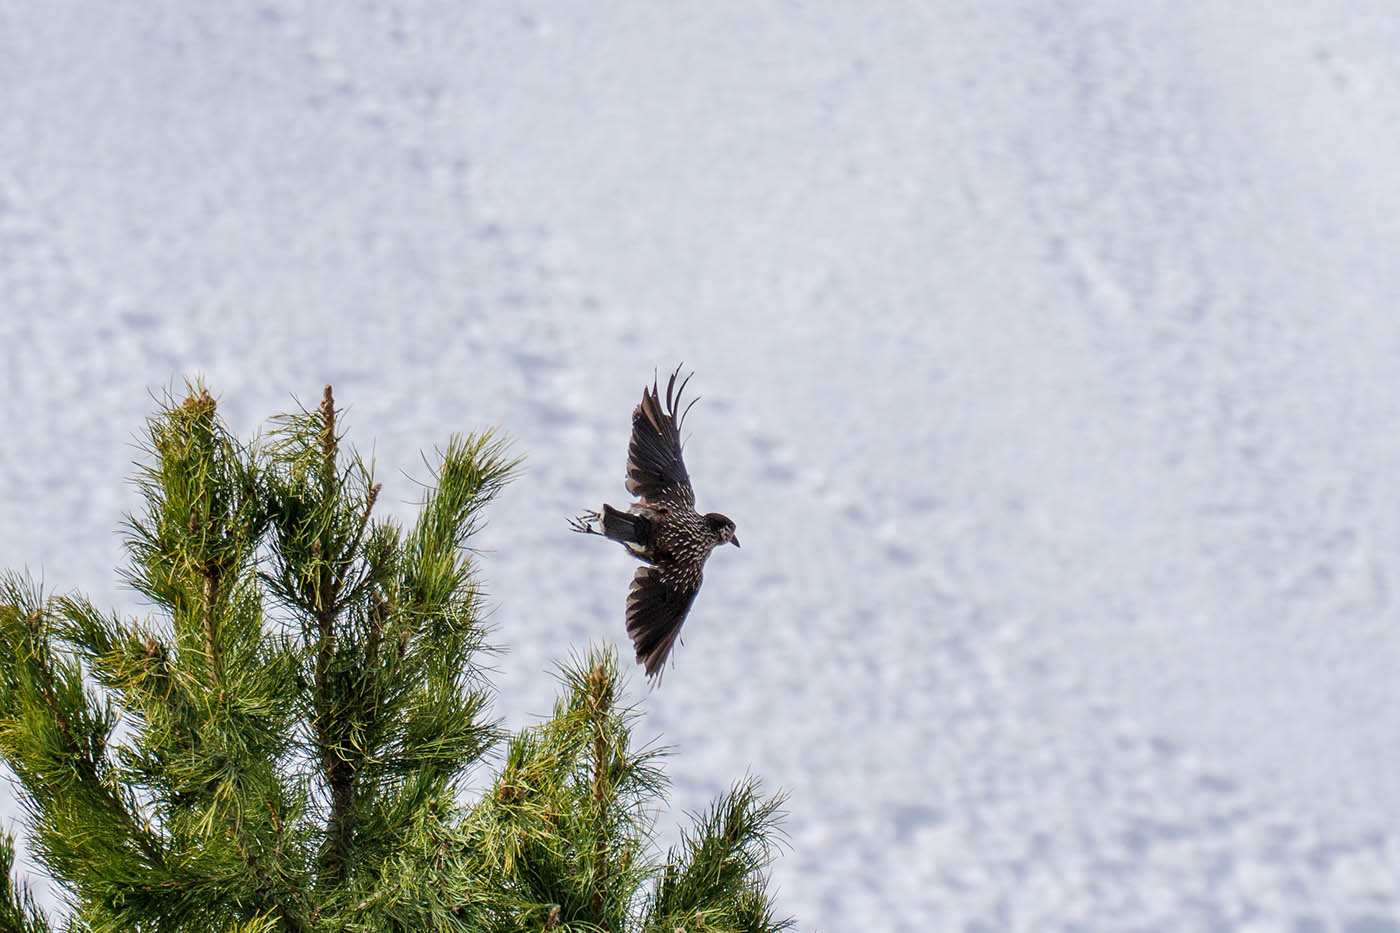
1049,358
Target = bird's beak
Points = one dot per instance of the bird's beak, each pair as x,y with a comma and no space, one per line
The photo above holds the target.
734,541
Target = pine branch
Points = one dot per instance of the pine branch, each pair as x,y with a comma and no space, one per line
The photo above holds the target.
600,700
391,627
52,739
18,912
563,828
204,516
715,880
337,760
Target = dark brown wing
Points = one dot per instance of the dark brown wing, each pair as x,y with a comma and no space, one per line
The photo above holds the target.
655,471
655,612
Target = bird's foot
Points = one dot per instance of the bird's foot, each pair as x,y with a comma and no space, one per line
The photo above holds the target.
583,524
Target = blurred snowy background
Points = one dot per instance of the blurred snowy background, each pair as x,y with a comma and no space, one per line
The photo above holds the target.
1050,357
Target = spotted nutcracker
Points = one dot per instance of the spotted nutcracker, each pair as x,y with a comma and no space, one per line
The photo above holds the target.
663,529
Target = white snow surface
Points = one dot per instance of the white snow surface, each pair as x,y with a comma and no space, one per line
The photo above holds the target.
1049,361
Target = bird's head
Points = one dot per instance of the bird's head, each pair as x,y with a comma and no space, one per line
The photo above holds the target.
722,527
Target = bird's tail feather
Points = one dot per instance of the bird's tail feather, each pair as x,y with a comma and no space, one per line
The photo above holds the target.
625,527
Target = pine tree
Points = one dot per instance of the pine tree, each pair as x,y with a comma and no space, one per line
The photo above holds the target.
285,743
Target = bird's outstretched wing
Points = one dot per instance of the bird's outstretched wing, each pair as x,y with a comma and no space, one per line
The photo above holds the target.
655,612
655,471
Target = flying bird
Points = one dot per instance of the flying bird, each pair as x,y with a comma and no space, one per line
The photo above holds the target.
662,528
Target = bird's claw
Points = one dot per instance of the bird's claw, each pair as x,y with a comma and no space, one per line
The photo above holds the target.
583,524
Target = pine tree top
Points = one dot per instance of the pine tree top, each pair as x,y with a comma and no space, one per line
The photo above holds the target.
283,744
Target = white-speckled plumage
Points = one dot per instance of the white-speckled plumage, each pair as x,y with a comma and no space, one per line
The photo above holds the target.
662,528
